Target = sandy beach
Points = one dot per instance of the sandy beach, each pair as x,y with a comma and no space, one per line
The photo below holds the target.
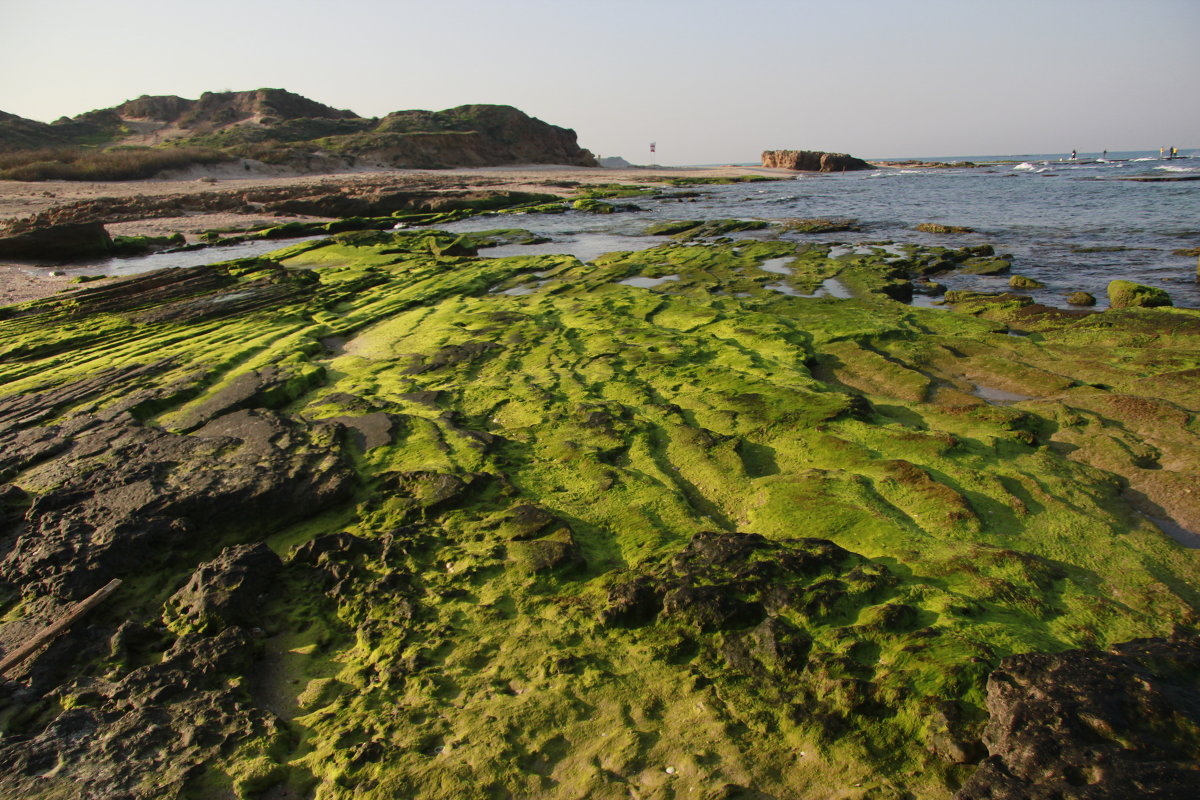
21,200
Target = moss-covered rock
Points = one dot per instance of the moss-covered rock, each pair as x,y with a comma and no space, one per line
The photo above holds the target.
982,265
1023,282
818,225
1127,294
552,542
704,229
1081,299
938,227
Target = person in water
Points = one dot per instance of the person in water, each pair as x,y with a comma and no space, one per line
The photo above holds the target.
1072,155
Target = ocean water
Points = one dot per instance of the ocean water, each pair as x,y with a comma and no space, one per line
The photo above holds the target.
1072,225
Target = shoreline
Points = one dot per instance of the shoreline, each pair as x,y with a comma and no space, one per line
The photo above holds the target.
21,200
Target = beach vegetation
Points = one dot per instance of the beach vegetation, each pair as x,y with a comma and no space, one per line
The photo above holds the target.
113,164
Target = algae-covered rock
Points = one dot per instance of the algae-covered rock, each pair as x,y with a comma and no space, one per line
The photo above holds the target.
703,229
817,225
1023,282
938,227
593,206
1081,299
1127,294
550,544
986,266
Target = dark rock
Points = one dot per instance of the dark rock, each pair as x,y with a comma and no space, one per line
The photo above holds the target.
710,608
159,720
65,242
331,546
951,737
812,161
429,490
633,603
1095,725
776,645
129,496
227,590
262,388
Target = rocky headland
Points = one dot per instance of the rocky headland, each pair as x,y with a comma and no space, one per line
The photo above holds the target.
265,129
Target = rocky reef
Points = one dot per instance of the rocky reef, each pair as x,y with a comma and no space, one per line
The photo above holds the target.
395,518
812,161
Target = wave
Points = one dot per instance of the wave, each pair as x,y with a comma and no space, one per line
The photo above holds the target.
1179,169
1146,158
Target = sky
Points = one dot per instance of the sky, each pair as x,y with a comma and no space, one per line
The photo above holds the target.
709,82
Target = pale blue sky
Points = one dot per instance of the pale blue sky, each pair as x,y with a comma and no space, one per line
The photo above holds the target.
711,82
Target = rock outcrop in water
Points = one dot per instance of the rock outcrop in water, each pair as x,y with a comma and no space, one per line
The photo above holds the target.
812,161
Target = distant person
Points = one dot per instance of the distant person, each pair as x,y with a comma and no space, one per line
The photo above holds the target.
1072,155
1105,156
1174,152
1162,152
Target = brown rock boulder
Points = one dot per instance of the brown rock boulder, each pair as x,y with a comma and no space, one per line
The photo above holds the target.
1093,725
812,161
65,242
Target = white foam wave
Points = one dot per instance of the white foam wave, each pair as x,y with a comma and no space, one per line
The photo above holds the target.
1025,165
1178,169
1145,158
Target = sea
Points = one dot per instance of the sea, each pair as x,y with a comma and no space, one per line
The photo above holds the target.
1074,225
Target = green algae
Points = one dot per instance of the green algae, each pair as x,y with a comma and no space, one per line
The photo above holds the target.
701,229
464,651
1127,294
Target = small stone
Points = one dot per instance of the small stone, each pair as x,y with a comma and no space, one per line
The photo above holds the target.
670,770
